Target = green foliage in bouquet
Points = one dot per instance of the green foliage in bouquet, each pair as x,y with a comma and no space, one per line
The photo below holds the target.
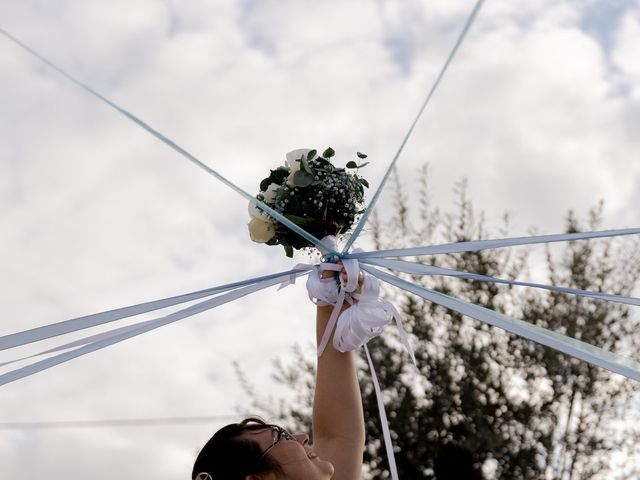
311,192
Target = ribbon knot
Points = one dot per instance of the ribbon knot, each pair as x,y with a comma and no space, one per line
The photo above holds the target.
367,313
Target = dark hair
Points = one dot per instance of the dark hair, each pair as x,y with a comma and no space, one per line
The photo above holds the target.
227,456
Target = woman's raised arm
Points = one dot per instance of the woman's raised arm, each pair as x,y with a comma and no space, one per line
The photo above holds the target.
338,419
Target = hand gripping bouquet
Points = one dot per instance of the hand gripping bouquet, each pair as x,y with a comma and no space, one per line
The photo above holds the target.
326,200
313,193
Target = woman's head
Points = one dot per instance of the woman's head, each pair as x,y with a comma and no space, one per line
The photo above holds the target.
253,449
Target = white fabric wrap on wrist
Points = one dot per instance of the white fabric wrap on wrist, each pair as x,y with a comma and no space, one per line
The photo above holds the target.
367,314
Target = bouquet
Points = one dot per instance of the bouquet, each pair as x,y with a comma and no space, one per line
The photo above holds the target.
313,193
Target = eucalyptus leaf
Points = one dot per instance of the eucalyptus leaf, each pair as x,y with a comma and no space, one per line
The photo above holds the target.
311,154
364,182
361,155
305,165
279,174
264,184
352,164
302,179
364,164
328,153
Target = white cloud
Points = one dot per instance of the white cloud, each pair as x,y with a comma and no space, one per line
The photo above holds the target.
626,48
97,214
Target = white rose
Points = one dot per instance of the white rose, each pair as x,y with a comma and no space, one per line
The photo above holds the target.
268,197
261,230
270,194
293,163
256,212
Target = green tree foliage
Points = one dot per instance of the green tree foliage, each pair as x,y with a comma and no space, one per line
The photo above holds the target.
485,400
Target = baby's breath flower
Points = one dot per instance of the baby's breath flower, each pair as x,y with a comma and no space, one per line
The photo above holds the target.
328,196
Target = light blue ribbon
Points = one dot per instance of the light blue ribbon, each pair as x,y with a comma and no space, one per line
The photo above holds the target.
88,321
576,348
80,342
421,269
119,335
365,216
476,245
279,217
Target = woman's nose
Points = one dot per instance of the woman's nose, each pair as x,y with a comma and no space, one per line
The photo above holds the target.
302,438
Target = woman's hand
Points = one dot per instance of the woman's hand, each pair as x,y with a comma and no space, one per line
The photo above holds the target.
343,275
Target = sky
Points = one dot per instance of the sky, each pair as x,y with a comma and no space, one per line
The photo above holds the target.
540,111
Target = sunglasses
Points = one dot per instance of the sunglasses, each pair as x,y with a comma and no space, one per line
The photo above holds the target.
279,433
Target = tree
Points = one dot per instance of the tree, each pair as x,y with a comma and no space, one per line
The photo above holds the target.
485,400
589,402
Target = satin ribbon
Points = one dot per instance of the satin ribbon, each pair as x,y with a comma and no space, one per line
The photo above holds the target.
422,269
167,141
365,216
75,324
386,433
476,245
367,314
562,343
363,320
97,342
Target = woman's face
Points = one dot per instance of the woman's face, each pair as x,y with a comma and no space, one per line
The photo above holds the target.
294,456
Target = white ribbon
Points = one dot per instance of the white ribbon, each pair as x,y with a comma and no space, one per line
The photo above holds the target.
386,434
367,315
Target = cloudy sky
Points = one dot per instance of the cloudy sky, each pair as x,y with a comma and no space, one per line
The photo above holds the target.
540,111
